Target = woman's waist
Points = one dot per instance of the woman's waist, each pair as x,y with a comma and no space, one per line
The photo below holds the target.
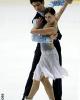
48,50
47,46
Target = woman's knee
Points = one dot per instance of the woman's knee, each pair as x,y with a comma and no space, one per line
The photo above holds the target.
36,83
45,80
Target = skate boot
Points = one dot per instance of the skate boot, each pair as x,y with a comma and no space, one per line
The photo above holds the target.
27,99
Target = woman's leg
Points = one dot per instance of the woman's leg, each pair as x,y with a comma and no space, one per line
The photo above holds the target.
34,89
48,88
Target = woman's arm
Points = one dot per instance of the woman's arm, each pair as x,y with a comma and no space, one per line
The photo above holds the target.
44,31
58,15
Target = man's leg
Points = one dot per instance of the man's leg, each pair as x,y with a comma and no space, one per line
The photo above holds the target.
57,84
28,85
30,78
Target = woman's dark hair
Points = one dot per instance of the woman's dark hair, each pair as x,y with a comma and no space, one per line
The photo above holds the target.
31,1
49,10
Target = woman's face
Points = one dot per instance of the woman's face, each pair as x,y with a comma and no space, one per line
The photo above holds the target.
49,18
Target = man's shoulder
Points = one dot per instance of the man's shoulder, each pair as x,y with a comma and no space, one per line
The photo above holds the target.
37,15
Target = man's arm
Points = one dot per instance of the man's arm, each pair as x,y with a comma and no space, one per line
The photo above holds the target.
44,31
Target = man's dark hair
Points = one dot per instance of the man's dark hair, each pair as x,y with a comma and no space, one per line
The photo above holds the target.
31,1
49,10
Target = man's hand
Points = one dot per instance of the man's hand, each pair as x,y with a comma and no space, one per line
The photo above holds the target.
53,36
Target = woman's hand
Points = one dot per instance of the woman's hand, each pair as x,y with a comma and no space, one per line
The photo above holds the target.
54,37
69,1
38,23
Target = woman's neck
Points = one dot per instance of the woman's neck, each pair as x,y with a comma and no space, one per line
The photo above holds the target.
51,24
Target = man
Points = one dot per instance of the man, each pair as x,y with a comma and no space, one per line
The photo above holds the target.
57,84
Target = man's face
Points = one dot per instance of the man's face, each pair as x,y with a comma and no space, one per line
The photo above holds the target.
38,6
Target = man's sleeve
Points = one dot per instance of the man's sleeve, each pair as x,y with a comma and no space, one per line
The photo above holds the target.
35,17
59,35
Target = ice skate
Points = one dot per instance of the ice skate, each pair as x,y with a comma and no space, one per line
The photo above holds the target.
27,98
